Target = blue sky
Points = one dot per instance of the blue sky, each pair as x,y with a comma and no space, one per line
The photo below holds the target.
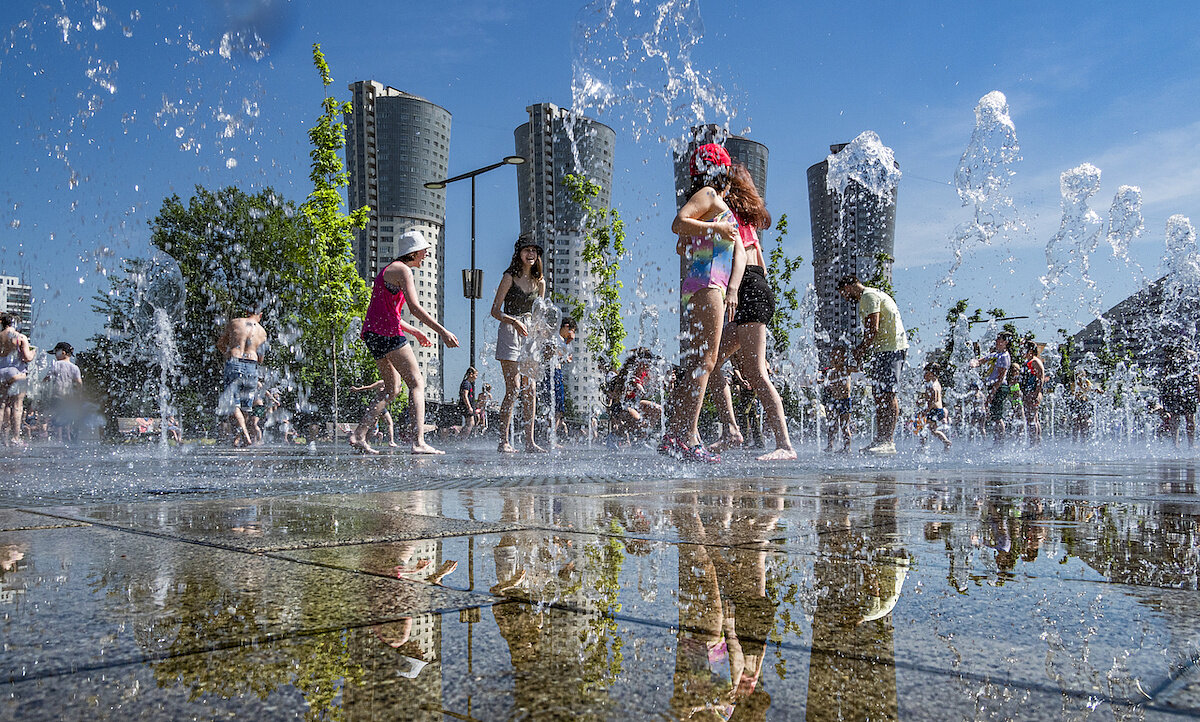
86,168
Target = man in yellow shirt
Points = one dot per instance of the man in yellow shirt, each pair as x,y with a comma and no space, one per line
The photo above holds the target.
883,350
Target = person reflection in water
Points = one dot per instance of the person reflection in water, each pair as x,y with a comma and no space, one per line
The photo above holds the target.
859,573
725,613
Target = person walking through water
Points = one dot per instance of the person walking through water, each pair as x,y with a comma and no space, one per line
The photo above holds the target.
1033,379
713,263
15,356
745,338
383,333
885,341
241,344
521,285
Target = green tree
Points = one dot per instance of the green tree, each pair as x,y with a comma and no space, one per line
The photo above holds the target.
337,294
603,247
781,269
882,276
118,369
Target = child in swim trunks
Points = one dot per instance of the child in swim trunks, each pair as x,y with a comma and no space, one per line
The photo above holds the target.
713,263
934,413
835,395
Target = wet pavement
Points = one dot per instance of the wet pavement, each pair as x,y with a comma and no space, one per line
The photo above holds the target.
294,583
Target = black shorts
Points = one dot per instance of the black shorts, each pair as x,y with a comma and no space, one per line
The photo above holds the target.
756,300
381,346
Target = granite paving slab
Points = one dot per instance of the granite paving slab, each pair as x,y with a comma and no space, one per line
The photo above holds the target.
86,598
270,523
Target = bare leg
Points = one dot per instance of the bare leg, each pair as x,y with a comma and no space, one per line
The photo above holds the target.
405,362
718,389
529,397
239,421
753,361
391,426
512,381
704,315
385,396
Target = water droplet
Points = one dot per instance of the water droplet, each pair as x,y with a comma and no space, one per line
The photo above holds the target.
231,162
99,22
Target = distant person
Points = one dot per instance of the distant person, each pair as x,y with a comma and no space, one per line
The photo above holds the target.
934,412
64,384
466,401
1032,381
174,431
520,285
996,383
1079,405
1178,389
383,332
881,354
481,408
745,337
558,353
15,356
836,397
714,261
242,346
631,413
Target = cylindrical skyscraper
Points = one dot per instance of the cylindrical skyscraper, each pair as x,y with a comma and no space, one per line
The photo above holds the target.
854,233
556,143
395,143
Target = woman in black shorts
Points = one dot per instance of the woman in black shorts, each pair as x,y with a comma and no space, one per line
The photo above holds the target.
745,339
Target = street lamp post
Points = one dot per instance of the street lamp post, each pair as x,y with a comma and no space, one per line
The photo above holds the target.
473,277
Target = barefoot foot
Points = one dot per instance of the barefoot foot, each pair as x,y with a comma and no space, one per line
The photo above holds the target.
424,448
779,455
362,446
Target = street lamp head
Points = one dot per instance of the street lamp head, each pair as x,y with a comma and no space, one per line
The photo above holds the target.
514,160
435,185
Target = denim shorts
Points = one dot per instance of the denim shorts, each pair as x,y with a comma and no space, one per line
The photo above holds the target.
240,379
381,346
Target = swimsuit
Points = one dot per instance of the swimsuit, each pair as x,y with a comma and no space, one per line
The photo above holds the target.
518,303
381,330
710,261
1029,378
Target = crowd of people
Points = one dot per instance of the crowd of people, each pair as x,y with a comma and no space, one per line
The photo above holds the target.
727,304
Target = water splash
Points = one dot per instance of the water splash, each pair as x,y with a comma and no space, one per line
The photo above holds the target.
634,59
983,179
866,161
1125,225
1069,251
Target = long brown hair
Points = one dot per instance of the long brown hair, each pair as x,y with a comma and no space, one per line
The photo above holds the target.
743,199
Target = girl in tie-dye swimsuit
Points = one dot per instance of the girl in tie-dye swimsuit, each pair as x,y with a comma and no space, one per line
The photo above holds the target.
710,260
712,263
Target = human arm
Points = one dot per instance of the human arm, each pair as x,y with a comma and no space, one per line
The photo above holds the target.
704,203
735,278
870,331
401,275
224,342
416,333
368,387
506,282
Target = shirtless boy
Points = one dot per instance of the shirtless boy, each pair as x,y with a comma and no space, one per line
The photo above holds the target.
241,346
15,355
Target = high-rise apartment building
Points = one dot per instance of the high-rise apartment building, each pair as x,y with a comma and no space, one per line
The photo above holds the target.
395,143
17,298
851,234
749,153
556,143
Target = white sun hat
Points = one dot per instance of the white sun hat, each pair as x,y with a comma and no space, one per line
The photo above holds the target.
410,242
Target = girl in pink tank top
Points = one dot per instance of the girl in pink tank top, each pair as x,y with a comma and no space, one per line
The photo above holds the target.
383,333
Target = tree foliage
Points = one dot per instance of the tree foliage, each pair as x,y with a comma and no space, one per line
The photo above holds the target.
603,248
781,269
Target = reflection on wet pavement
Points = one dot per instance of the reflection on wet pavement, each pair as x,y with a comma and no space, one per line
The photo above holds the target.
855,595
